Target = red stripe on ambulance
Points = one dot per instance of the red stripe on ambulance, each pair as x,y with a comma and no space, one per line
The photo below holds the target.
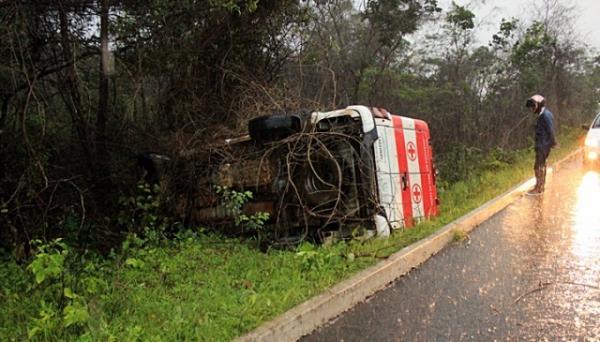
426,168
405,185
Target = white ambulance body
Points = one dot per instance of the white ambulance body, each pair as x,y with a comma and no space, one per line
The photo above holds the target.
403,158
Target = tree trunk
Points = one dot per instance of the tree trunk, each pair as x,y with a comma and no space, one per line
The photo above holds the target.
102,115
72,96
3,116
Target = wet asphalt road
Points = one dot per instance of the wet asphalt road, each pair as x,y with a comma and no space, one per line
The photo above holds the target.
531,272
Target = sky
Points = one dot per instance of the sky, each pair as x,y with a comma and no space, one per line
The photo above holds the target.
490,12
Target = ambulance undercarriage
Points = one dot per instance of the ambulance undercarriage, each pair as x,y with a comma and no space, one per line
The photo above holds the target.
322,172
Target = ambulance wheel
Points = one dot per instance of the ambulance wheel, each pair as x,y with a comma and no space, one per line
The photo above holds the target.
273,127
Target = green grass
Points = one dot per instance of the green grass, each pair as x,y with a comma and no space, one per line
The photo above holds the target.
459,235
205,287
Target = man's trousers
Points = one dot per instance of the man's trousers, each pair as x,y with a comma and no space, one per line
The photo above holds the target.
541,155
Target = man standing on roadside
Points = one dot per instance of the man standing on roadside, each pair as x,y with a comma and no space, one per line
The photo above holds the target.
544,140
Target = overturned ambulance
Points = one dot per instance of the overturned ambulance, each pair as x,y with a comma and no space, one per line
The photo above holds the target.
320,173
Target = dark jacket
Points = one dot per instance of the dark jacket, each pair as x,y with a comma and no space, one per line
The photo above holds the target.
544,131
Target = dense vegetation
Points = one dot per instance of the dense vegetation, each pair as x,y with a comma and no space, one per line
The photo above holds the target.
197,285
86,85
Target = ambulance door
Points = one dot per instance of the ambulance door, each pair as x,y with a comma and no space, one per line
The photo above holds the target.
420,192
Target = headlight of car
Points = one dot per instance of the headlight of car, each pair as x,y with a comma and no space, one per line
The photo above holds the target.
592,142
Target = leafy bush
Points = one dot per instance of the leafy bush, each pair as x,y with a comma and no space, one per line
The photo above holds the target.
142,213
234,202
66,284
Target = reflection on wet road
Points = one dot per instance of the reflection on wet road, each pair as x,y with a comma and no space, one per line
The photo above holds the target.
531,272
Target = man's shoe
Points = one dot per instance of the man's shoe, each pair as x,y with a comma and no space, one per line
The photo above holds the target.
534,192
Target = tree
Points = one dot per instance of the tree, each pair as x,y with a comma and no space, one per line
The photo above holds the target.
358,45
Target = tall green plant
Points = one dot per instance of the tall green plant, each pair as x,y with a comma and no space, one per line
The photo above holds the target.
234,201
66,286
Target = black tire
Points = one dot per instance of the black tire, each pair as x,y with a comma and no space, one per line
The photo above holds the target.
273,127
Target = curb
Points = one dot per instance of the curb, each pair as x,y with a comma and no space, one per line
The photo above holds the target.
313,313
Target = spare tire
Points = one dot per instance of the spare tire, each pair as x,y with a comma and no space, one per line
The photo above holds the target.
273,127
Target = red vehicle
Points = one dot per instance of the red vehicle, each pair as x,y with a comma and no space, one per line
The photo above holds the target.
322,172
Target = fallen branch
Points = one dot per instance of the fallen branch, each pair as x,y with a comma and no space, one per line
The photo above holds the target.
542,286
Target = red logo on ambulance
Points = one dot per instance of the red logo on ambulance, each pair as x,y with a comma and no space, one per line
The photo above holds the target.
412,150
417,193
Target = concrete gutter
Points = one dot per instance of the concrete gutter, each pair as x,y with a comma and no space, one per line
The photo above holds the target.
306,317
